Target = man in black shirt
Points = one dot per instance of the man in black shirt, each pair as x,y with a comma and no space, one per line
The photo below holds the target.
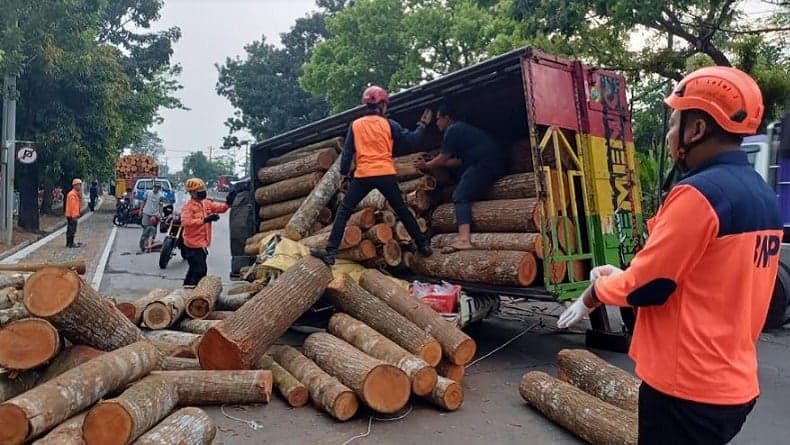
481,160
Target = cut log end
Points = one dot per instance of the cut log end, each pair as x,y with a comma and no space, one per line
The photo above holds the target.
50,290
345,406
107,423
14,427
157,315
527,270
448,394
297,396
386,389
28,343
424,381
198,308
432,353
465,352
218,352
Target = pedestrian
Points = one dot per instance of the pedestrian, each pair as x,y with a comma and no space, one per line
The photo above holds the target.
152,209
476,159
94,195
196,217
72,207
703,281
370,141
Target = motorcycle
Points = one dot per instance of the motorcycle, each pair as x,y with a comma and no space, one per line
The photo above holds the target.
124,215
171,227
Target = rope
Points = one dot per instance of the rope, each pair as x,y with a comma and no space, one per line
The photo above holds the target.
503,345
252,424
378,419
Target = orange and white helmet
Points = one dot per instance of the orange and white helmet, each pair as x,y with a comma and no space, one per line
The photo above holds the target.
194,184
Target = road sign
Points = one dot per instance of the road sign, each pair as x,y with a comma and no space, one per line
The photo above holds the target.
27,155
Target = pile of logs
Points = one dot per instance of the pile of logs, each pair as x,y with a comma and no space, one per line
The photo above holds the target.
136,164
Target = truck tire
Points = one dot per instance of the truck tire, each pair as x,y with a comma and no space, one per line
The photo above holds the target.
779,309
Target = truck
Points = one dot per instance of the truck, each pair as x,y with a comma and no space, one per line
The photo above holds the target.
130,168
577,122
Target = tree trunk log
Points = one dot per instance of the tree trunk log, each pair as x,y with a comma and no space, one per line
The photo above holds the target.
504,215
367,340
352,236
387,217
17,281
351,298
9,296
335,143
593,375
365,250
391,253
364,219
289,189
77,266
451,371
202,299
124,418
401,234
10,388
69,358
233,302
32,413
502,267
67,433
274,223
196,326
458,347
302,221
447,394
381,386
522,185
27,344
179,364
220,387
134,309
166,311
187,426
77,311
405,169
325,390
241,339
251,288
419,200
379,234
426,183
218,315
276,209
588,417
12,314
524,242
178,340
292,390
374,200
317,161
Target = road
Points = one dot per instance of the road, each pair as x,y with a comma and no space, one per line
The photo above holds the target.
493,411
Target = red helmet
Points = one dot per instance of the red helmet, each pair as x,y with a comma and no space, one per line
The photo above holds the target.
374,95
730,96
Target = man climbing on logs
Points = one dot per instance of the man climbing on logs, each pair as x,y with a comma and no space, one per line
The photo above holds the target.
703,282
370,141
475,158
72,211
196,217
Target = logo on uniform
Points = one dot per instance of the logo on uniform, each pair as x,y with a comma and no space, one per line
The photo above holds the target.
765,247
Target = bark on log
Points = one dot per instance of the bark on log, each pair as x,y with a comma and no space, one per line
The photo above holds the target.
387,217
276,209
401,234
364,219
77,266
391,253
233,302
274,223
67,433
405,169
336,143
380,233
187,426
503,267
220,387
9,296
32,413
17,281
352,236
202,299
241,339
178,340
292,390
458,347
426,183
381,386
218,315
12,314
196,326
366,339
365,250
351,298
595,376
523,185
504,215
588,417
124,418
419,200
447,394
317,161
325,390
166,311
422,223
28,343
246,288
134,309
69,358
12,387
451,371
524,242
288,189
179,364
302,220
77,311
374,200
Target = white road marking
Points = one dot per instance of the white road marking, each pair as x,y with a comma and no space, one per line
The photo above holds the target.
105,256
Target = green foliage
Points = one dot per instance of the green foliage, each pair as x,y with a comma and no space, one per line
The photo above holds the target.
150,144
650,181
198,165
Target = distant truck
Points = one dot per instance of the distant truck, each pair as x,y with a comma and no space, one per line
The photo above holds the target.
131,168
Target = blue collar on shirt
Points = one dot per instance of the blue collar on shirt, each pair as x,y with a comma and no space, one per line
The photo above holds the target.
735,157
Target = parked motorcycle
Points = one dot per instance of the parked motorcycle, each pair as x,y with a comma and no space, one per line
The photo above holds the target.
125,214
171,227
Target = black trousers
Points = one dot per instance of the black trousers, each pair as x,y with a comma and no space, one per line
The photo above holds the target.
664,419
474,183
196,258
71,230
357,190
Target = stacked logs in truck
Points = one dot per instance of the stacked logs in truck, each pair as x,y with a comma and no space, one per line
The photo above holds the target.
136,164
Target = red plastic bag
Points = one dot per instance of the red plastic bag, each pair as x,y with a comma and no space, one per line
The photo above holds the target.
443,298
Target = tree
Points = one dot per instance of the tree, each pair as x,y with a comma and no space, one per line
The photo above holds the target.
150,144
197,164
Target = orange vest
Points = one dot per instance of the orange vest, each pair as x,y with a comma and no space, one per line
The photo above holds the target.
73,204
373,146
197,234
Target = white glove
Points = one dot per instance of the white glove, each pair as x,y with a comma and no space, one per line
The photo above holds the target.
576,311
604,271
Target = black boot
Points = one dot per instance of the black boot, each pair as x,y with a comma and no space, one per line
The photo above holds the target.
325,255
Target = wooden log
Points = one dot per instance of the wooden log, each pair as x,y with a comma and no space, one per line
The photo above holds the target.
595,376
405,169
78,312
317,161
186,340
391,253
502,267
588,417
134,309
233,302
202,299
302,220
67,433
124,418
69,358
292,390
380,233
365,250
447,394
523,185
276,209
374,200
166,311
524,242
504,215
274,223
422,223
28,343
34,412
352,236
255,239
12,387
9,296
451,371
187,426
287,189
17,281
326,391
336,143
351,298
381,386
218,315
387,217
419,200
77,266
179,364
366,339
196,326
220,387
237,342
457,347
248,288
401,234
12,314
426,183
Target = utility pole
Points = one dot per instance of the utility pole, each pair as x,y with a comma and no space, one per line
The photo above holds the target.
210,151
8,158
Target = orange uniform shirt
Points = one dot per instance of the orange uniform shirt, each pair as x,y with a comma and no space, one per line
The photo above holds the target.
370,141
703,283
197,234
73,204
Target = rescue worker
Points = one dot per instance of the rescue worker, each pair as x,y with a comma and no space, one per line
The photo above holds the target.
703,282
72,211
480,161
196,217
370,141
